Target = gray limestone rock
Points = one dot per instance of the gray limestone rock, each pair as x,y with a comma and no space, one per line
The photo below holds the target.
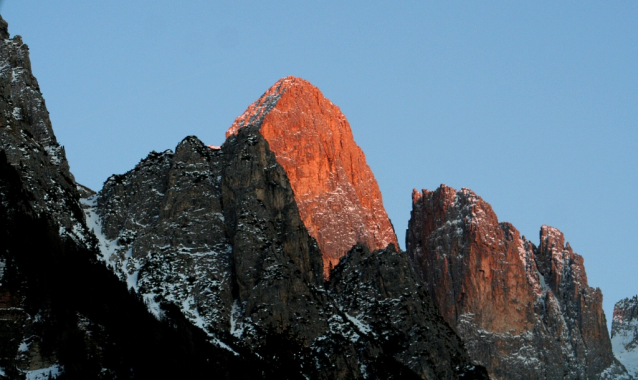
381,293
217,234
35,183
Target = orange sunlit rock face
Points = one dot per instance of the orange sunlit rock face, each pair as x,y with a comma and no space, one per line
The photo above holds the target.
502,294
337,195
474,264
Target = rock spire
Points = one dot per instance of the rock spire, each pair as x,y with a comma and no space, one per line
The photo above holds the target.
337,195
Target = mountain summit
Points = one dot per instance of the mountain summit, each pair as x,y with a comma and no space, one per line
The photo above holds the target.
338,197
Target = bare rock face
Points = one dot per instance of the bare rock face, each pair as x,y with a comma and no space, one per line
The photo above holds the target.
213,232
338,198
27,139
524,312
624,333
381,293
165,218
216,233
35,183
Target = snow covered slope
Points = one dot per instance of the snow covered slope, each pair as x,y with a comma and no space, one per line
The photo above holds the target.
624,333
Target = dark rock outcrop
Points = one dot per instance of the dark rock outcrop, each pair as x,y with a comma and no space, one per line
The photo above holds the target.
165,216
36,185
28,142
336,193
624,333
277,266
524,312
215,232
380,292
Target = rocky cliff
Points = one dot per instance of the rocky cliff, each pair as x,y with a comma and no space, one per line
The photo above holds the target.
336,193
523,311
624,333
380,292
197,259
217,234
27,138
35,183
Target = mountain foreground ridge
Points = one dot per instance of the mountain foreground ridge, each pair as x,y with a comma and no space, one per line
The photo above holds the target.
63,313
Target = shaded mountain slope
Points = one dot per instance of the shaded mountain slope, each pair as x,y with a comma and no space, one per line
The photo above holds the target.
62,312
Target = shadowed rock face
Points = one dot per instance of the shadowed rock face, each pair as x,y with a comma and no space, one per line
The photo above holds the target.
26,135
338,198
35,183
208,229
61,310
217,234
524,312
381,291
624,333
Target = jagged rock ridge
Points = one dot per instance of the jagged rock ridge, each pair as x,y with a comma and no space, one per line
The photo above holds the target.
62,312
624,333
217,233
380,291
524,312
335,190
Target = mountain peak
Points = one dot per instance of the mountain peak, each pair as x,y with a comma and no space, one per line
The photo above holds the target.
255,113
338,197
4,29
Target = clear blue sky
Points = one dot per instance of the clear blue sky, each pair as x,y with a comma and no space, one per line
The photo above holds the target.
532,105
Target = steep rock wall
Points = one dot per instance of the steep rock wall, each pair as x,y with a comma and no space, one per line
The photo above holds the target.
62,312
524,312
337,195
217,234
